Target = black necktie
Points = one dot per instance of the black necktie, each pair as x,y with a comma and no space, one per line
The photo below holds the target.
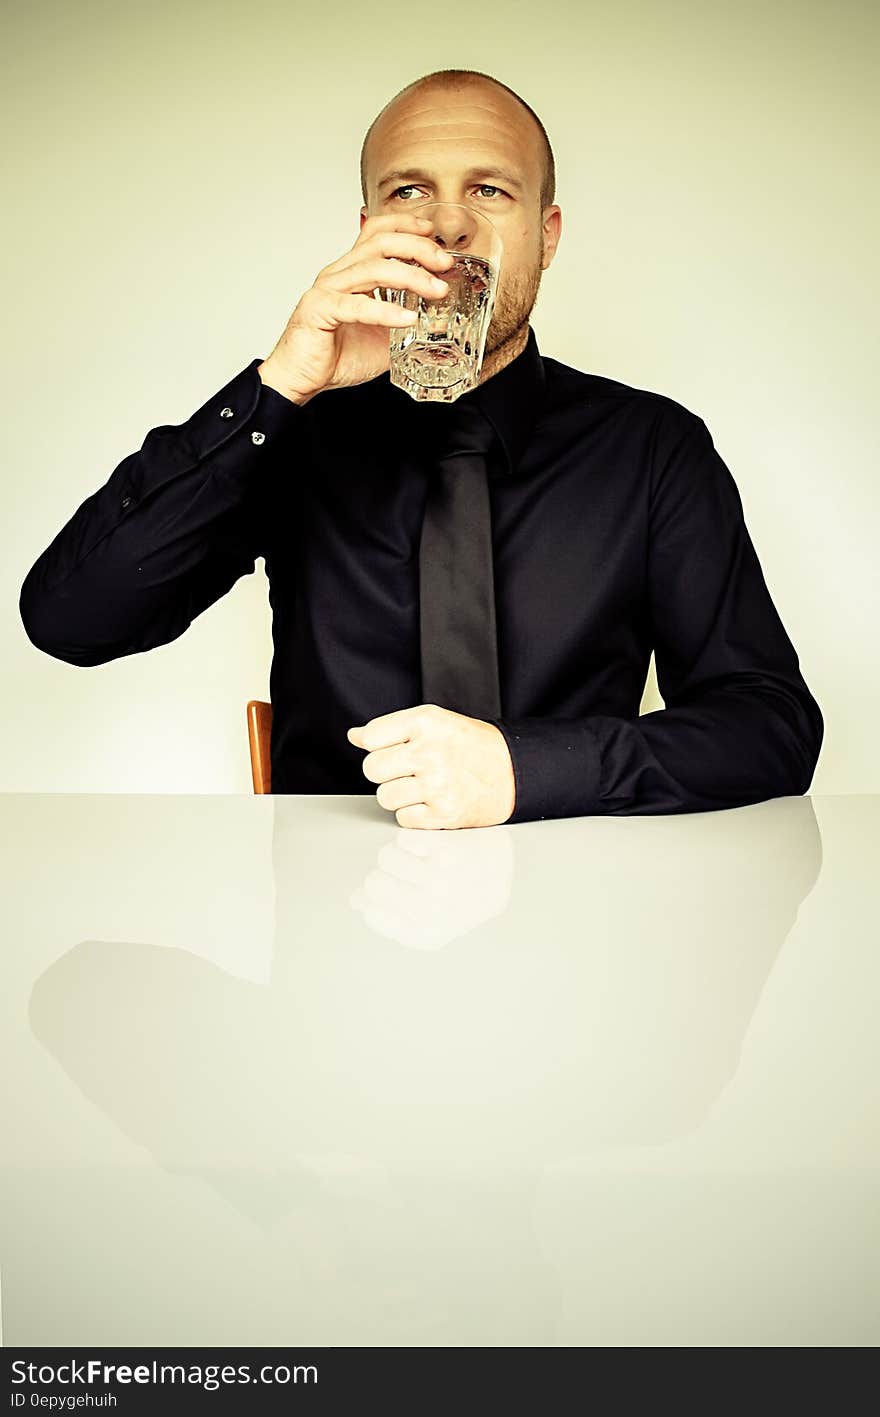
456,579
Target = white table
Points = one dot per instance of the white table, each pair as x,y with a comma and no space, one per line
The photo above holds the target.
278,1071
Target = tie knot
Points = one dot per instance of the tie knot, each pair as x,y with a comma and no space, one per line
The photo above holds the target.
464,429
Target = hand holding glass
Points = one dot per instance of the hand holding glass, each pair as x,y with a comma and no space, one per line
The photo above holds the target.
439,355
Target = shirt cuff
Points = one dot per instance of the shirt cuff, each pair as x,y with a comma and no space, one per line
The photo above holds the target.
244,406
556,767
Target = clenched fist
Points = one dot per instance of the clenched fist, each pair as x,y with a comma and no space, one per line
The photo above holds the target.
438,769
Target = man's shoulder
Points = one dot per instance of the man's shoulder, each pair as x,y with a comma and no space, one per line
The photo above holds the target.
566,385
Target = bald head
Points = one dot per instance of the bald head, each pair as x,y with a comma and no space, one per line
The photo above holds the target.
511,113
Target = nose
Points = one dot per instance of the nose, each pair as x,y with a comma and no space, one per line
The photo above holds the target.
455,230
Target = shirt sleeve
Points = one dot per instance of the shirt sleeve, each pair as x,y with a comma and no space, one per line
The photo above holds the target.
170,532
740,724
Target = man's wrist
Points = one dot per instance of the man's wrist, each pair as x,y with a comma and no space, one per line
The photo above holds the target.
267,377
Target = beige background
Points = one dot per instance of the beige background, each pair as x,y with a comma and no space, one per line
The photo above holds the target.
180,172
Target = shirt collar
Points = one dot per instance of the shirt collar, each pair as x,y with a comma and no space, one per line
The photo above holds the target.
510,400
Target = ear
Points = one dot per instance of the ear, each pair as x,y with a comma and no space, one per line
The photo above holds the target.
551,231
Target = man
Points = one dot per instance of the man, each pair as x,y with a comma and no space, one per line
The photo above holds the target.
615,529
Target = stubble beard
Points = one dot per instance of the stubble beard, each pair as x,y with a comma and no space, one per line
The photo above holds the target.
514,304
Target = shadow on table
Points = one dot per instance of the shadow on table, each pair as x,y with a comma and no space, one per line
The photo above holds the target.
445,1019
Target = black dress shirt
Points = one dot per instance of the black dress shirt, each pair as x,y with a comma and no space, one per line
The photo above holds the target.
617,529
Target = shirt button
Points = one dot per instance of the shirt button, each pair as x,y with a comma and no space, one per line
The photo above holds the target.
258,437
126,502
226,413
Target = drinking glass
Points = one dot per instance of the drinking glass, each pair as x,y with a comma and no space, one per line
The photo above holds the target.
440,355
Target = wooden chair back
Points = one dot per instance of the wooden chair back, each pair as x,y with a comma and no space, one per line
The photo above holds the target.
259,722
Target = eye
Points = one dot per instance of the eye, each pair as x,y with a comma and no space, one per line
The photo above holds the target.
483,187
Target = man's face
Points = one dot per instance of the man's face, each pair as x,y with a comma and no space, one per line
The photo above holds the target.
454,144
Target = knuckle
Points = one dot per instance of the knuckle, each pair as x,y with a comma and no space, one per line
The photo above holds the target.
430,761
443,806
435,786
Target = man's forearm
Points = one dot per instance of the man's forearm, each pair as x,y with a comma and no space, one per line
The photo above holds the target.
170,531
738,743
